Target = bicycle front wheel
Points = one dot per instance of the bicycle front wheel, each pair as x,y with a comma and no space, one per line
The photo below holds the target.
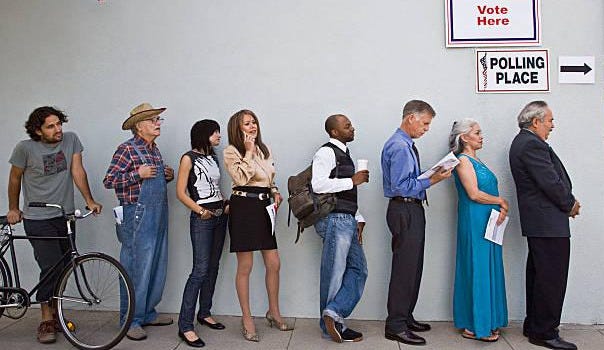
88,302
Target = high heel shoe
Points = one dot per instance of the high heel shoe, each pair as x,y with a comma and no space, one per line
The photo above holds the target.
282,326
247,335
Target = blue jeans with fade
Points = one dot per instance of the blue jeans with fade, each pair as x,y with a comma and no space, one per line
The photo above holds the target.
343,267
207,238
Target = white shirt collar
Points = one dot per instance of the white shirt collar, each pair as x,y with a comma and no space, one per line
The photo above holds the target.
339,144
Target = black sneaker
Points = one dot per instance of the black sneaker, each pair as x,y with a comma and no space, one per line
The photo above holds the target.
350,335
334,329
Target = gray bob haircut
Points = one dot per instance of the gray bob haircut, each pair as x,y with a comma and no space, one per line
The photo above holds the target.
535,109
459,128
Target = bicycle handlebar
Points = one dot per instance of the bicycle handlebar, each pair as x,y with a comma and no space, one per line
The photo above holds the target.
76,215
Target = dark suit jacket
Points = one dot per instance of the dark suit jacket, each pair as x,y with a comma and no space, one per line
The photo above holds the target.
543,188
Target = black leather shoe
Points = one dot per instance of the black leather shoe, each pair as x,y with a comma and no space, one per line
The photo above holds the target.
406,337
197,343
216,325
349,335
556,343
418,326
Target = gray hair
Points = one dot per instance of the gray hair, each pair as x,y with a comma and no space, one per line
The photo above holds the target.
417,107
459,128
535,109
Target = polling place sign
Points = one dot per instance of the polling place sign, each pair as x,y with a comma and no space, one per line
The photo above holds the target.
473,23
512,71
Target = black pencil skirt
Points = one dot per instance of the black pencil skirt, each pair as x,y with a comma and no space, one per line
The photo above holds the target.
249,223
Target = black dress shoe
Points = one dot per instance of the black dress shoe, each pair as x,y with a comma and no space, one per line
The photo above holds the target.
556,343
406,337
418,326
216,325
197,343
349,335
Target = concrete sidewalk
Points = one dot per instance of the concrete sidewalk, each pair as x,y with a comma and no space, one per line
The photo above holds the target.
20,334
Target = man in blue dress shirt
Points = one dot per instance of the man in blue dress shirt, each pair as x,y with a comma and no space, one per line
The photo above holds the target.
406,220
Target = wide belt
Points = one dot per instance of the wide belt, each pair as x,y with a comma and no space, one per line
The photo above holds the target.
407,200
259,196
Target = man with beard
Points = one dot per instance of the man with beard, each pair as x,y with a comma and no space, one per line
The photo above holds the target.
46,166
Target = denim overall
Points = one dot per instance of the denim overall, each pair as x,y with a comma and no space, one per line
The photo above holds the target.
144,237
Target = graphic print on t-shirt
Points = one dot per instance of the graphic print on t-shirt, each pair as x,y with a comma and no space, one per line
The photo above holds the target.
54,163
206,188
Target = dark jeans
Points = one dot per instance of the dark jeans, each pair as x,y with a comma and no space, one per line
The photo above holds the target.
207,238
407,223
546,275
48,252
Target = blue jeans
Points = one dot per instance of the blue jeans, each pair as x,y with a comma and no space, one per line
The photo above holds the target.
343,267
207,238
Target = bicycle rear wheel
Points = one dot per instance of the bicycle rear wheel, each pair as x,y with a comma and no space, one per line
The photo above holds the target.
4,282
88,302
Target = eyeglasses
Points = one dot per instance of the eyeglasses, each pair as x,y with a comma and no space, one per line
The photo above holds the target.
155,120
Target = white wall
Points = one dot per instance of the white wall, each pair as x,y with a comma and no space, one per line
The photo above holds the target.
295,63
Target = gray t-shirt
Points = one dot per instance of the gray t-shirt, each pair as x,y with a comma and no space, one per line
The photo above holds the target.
47,176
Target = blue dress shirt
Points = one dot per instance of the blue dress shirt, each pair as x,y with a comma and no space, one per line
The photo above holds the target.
400,168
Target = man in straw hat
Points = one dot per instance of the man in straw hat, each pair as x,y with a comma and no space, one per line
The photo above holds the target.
138,175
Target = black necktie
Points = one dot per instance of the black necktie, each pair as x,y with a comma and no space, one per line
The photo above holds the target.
416,156
419,166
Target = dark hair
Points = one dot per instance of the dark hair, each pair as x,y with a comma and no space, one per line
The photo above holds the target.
332,122
417,106
236,136
38,116
200,135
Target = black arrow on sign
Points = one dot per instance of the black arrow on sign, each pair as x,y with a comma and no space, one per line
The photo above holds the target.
574,69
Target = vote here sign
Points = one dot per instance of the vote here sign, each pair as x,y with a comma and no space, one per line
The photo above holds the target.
472,23
512,71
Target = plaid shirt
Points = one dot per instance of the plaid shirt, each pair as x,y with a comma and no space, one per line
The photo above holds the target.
123,175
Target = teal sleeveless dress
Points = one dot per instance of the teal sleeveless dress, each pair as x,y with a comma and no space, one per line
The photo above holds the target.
479,302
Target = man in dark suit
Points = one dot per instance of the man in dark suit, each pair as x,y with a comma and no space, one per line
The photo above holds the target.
545,202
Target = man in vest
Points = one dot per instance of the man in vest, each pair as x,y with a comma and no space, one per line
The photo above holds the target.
343,264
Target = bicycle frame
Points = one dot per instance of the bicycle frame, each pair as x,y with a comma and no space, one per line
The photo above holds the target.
70,255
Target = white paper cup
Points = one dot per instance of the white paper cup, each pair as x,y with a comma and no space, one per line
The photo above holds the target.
362,164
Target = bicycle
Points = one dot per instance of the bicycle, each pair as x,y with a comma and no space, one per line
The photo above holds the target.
87,292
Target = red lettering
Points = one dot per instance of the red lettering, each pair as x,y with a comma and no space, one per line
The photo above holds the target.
484,21
492,10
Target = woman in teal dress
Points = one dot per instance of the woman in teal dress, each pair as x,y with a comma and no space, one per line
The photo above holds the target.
479,302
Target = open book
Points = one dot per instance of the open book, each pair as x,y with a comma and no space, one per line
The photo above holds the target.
449,161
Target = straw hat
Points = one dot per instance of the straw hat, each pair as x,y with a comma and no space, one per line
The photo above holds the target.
141,112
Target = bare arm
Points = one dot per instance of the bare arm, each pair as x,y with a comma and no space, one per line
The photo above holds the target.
467,177
14,215
80,178
181,187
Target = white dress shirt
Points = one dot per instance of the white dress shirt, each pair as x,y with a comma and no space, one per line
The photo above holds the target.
323,163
